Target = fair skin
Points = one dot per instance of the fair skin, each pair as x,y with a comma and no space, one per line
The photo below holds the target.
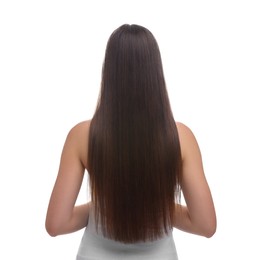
198,216
63,216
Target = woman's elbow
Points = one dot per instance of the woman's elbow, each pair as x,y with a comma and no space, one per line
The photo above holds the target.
210,233
52,229
209,230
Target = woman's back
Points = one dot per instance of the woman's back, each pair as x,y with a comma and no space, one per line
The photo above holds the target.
95,245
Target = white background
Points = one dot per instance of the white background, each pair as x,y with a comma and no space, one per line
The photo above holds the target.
51,54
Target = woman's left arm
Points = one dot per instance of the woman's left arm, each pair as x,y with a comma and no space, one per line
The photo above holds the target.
62,215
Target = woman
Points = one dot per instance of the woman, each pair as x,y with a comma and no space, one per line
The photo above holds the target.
139,161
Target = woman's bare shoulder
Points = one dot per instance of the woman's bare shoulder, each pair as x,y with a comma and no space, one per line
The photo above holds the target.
186,137
79,131
81,127
79,134
184,131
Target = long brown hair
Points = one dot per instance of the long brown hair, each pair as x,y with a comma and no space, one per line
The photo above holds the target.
134,158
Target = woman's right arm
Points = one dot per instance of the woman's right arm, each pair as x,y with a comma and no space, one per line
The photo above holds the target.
198,216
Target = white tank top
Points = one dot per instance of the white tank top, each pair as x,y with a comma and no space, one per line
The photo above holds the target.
94,246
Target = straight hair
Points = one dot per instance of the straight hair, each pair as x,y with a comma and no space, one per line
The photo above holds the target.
134,160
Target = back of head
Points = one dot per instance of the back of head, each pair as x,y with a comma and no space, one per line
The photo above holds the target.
134,154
